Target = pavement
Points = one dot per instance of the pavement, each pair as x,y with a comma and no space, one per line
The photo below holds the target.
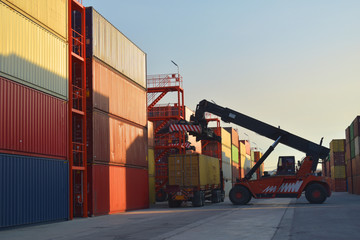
268,219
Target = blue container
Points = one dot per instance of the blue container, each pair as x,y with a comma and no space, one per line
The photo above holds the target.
33,190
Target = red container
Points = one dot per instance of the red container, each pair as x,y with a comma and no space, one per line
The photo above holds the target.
347,152
113,140
235,174
355,166
116,189
113,93
31,122
234,136
337,158
210,149
357,126
347,135
339,184
356,185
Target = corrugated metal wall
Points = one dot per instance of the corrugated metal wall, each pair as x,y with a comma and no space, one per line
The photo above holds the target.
32,190
52,15
32,122
31,55
112,47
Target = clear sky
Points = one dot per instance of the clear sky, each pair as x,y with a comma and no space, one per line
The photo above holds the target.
293,64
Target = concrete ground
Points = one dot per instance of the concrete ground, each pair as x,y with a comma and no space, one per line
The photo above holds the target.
275,219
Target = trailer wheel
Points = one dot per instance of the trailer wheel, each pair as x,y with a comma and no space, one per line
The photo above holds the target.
161,195
197,199
215,196
315,193
239,195
174,203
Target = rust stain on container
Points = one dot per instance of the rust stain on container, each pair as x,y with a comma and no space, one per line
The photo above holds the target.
32,122
116,189
115,94
116,141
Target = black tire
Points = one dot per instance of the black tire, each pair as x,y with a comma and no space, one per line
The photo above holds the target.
219,196
239,195
174,203
222,196
215,196
161,195
196,200
315,193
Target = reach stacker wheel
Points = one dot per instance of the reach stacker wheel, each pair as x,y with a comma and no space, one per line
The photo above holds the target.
315,193
239,195
161,195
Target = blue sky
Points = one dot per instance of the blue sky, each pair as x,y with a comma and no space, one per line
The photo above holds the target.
293,64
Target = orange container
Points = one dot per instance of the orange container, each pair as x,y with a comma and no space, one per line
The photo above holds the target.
112,140
338,184
113,93
234,136
150,134
116,189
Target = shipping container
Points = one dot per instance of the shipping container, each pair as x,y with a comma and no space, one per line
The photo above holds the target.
338,172
235,174
350,185
352,149
151,162
33,190
32,122
150,131
235,155
357,146
52,15
337,145
31,55
225,138
356,185
347,135
234,136
242,148
355,166
356,123
347,152
193,170
337,158
193,177
108,44
113,140
338,185
115,94
152,193
116,189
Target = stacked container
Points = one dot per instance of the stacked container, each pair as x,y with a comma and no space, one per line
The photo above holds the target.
352,156
211,150
151,163
234,154
260,170
117,119
34,164
244,157
337,165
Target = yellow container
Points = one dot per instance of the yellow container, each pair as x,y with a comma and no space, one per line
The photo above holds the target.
242,148
193,170
50,14
242,160
152,196
338,172
225,138
226,154
151,162
337,145
31,55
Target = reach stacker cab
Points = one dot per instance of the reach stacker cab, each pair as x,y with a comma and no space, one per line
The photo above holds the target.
290,180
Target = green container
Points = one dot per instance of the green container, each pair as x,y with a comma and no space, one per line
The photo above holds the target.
352,131
352,149
234,154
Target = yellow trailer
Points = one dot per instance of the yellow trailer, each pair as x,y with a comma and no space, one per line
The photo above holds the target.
193,177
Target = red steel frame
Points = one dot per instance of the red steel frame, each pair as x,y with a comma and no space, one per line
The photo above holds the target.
77,112
158,87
